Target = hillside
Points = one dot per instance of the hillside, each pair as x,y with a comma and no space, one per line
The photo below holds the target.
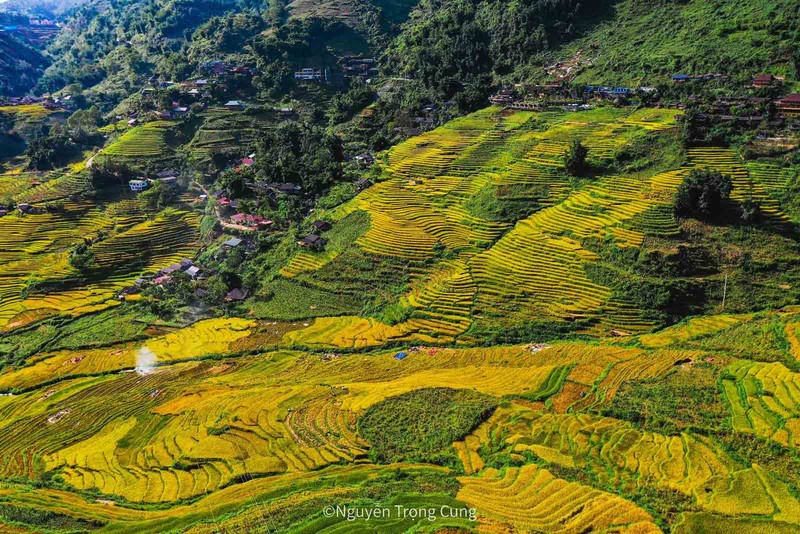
648,42
363,266
44,8
20,65
516,306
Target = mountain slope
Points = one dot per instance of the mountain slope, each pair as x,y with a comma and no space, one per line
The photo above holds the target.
654,40
20,65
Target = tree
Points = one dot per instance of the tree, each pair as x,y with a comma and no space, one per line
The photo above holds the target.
81,257
702,194
47,151
82,125
575,158
301,154
159,196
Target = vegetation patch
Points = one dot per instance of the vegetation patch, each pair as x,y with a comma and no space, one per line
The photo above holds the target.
421,425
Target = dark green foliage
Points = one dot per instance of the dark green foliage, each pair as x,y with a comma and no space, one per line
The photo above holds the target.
575,158
702,194
122,43
671,406
508,203
82,125
50,150
501,333
651,281
456,48
81,256
345,105
108,173
300,154
159,196
751,210
46,519
748,448
655,40
20,65
420,426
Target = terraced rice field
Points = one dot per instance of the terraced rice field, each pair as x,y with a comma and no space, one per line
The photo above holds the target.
764,399
243,425
35,247
622,456
501,272
532,499
124,434
149,140
753,182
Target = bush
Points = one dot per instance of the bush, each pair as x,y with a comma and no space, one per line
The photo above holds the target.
421,425
575,158
702,194
81,257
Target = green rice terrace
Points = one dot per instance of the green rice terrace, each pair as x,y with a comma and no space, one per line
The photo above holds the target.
486,343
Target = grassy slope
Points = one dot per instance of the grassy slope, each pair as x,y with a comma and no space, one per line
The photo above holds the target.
650,41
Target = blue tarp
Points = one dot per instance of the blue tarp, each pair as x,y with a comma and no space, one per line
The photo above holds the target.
400,356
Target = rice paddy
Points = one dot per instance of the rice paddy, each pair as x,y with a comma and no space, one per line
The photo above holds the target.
254,423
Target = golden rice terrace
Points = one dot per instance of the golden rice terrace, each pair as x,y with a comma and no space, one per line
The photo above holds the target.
503,378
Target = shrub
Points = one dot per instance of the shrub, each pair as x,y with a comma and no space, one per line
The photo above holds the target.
421,425
702,194
81,257
575,158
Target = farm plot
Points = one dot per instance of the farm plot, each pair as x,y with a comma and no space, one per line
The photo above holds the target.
34,247
622,456
473,271
190,428
764,399
147,141
532,499
208,337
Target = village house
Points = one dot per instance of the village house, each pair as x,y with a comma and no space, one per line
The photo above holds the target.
789,103
255,222
308,74
236,295
234,105
321,226
503,97
138,185
766,80
356,66
216,68
169,177
362,184
365,160
232,242
314,242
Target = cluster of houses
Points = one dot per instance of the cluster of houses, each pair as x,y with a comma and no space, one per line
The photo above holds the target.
164,277
358,66
35,30
169,177
222,68
24,208
557,95
48,101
